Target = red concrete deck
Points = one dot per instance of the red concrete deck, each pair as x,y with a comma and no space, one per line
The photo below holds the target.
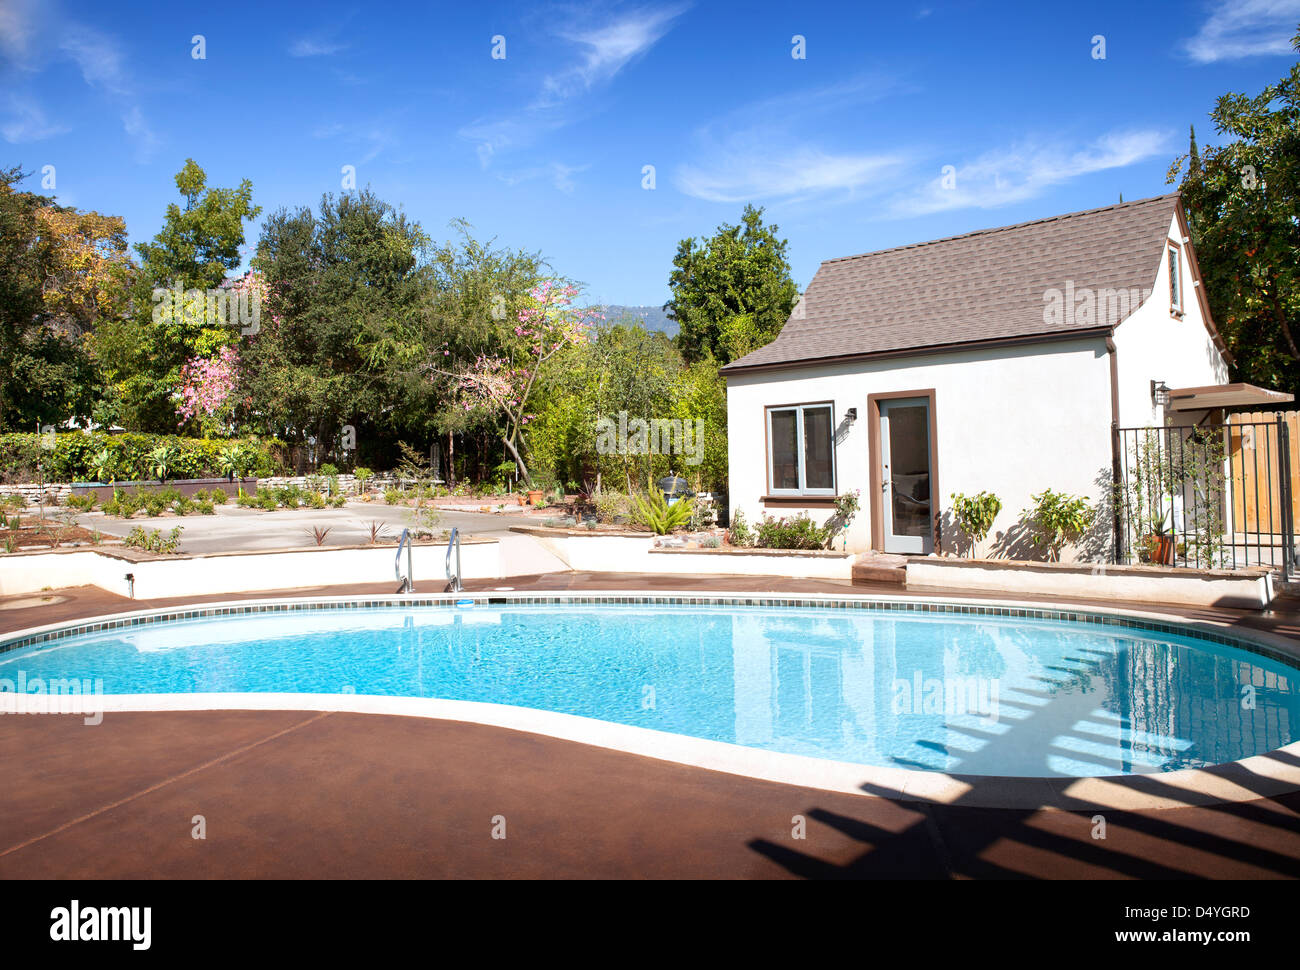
295,794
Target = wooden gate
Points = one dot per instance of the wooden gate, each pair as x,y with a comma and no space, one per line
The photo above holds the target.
1254,458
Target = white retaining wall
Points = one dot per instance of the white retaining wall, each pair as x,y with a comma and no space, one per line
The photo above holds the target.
199,575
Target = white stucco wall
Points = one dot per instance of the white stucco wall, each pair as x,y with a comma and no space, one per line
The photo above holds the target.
1152,345
1012,421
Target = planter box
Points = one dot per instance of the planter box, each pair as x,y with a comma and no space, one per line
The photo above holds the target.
587,552
186,486
1250,589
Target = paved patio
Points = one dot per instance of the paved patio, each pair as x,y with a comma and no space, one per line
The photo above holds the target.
304,794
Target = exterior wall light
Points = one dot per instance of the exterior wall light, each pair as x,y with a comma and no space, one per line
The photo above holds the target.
1160,393
851,414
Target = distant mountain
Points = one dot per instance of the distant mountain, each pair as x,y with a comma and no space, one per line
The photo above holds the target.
651,317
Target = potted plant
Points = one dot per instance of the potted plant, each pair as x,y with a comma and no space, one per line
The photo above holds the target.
1160,543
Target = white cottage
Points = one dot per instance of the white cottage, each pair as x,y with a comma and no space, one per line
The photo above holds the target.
999,360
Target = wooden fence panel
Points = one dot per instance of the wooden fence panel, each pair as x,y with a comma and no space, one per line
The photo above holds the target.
1255,465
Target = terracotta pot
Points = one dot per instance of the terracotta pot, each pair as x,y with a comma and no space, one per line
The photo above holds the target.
535,497
1161,549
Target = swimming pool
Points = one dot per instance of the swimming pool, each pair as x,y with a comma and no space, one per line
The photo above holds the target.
968,692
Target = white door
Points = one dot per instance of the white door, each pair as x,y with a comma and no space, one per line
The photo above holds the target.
905,475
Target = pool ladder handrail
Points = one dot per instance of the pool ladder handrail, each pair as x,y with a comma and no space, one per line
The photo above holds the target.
408,581
453,580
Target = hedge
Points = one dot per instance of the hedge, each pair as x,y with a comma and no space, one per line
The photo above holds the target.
73,456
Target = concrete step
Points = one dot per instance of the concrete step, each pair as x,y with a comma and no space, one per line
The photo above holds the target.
875,567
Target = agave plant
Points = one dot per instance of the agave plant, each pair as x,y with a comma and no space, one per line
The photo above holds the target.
234,462
104,467
161,460
654,512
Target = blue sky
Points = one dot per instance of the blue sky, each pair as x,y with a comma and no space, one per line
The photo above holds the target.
545,148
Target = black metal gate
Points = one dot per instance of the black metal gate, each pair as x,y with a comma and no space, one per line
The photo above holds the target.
1207,497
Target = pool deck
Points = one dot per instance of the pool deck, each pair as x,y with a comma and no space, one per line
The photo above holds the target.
334,794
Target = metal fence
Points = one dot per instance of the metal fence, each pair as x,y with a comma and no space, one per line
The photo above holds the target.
1208,497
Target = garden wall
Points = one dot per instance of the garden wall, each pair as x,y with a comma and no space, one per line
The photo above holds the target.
637,554
1250,589
239,572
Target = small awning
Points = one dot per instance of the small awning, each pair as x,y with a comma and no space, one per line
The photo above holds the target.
1216,396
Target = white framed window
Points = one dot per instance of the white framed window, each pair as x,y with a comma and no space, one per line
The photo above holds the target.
1175,279
801,449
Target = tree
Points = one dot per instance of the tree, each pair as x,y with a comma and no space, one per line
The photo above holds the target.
142,354
343,286
62,272
741,272
502,384
1243,205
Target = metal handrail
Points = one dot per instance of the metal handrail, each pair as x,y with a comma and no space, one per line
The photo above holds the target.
453,581
408,582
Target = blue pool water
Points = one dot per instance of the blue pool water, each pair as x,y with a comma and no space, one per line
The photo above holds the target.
970,694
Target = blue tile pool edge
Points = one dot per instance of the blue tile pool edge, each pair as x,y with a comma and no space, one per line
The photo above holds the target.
1255,643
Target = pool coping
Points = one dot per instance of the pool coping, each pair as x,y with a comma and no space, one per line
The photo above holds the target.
1259,776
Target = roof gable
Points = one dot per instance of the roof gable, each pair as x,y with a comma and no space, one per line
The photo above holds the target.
984,286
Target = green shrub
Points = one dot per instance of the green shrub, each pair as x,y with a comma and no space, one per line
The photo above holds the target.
741,534
94,456
267,500
394,496
154,540
339,501
612,505
207,508
797,532
218,496
183,506
129,503
82,503
1056,519
974,515
247,500
316,500
201,495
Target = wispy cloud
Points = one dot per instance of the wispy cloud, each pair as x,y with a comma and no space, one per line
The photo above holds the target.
371,139
1026,170
27,122
99,57
34,36
760,150
559,175
605,50
17,31
314,47
1245,28
782,173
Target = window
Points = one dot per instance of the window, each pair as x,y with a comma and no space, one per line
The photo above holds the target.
1175,281
801,450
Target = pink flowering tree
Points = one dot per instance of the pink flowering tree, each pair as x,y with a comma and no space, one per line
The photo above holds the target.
206,389
500,385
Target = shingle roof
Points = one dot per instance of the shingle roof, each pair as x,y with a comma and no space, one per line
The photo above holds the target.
985,285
